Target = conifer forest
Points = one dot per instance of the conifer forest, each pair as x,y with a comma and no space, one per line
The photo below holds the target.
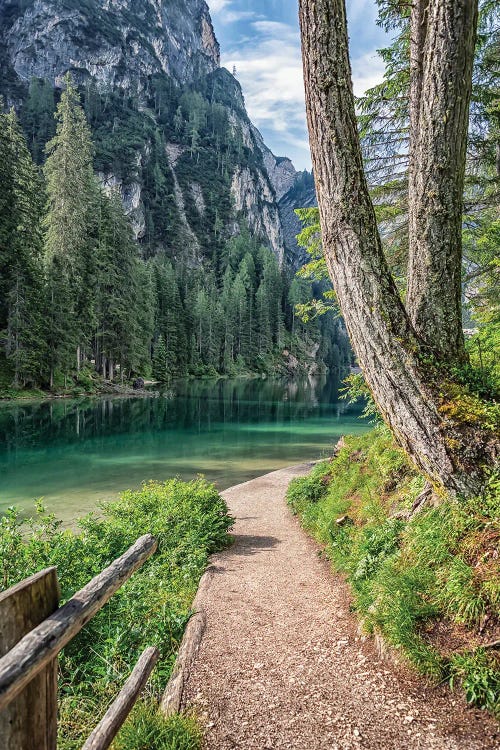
81,295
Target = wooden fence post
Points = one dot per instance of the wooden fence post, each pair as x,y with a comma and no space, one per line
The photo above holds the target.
30,720
109,726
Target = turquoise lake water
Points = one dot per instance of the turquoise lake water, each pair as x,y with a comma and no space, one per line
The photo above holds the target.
76,453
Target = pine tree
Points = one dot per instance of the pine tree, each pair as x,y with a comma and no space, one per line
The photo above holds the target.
8,211
271,278
37,116
264,334
145,320
20,253
72,200
170,318
117,290
160,361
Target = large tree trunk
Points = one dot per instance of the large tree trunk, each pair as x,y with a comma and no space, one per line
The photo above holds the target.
443,34
386,344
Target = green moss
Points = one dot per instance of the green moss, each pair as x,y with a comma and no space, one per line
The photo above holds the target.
408,575
462,406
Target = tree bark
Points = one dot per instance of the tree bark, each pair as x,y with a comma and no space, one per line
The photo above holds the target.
386,344
443,35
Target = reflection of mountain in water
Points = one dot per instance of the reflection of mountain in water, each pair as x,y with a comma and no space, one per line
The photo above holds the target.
193,405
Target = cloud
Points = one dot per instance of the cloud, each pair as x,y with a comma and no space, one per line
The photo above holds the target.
367,71
235,16
264,46
227,14
269,69
216,6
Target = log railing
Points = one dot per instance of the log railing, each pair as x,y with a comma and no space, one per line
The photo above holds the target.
34,629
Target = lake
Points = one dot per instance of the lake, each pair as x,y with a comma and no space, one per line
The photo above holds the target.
76,453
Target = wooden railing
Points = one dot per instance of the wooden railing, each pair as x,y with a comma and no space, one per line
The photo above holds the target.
34,629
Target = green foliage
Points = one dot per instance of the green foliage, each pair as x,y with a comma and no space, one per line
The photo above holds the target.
408,575
146,729
190,522
37,117
315,270
21,286
479,675
119,295
356,389
186,300
70,246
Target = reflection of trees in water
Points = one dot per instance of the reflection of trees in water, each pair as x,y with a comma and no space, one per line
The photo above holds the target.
194,406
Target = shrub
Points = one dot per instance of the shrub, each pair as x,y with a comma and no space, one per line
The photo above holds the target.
189,520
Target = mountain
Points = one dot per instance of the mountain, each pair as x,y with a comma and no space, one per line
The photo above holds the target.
211,207
115,42
165,117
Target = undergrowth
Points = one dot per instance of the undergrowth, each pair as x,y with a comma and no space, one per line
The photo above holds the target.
438,571
190,521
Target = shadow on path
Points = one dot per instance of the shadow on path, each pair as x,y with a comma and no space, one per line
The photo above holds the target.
252,545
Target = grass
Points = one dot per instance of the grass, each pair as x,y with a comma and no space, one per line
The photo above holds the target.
146,729
190,521
429,585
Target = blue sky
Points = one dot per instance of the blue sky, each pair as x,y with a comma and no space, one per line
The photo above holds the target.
261,38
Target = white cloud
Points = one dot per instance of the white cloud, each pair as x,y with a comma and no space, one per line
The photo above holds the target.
367,71
217,5
269,69
264,45
358,10
233,16
227,14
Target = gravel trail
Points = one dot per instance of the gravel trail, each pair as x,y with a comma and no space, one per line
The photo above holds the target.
281,664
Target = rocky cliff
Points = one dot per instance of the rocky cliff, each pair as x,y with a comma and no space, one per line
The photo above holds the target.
118,43
170,126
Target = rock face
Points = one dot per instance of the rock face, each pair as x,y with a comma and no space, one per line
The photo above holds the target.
118,43
254,198
302,194
281,171
146,50
292,190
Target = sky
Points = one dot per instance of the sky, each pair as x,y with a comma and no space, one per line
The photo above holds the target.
261,39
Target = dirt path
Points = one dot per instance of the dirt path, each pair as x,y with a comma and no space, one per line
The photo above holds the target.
281,664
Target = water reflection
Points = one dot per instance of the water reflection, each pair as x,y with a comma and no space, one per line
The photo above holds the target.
75,452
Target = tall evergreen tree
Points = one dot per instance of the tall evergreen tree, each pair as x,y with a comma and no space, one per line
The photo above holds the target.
70,226
117,291
37,117
20,253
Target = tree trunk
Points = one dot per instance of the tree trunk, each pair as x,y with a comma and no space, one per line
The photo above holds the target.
387,346
443,35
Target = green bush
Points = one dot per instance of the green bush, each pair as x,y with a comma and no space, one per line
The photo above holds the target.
408,574
189,520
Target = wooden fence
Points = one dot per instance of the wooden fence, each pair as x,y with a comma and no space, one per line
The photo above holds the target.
34,629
